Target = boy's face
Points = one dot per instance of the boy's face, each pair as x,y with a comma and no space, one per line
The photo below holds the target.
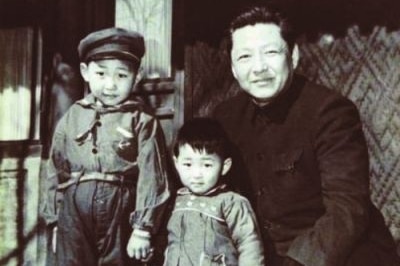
199,171
110,80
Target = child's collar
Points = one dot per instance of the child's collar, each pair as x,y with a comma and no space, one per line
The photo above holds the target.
186,191
90,102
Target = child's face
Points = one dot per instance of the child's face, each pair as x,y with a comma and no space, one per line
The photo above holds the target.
110,80
198,170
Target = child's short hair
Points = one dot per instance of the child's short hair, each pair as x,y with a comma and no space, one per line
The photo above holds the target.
112,43
204,134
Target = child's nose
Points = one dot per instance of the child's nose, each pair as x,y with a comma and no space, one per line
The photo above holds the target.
110,83
197,173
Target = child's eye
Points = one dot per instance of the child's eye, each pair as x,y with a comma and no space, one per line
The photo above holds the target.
122,75
187,164
207,165
100,73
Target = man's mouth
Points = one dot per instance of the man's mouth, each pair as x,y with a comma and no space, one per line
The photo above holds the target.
263,81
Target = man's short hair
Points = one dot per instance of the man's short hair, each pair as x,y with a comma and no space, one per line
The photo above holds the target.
264,14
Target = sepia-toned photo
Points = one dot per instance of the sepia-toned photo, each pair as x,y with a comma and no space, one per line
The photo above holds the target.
199,133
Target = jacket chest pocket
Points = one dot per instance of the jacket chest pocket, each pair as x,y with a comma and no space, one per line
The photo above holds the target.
290,181
124,145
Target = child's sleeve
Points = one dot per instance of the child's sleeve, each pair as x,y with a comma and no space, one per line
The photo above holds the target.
242,222
52,170
152,191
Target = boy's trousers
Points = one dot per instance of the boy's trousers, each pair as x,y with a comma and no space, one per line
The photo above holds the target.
93,224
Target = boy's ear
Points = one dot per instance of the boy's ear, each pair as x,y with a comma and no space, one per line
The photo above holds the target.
226,166
139,75
175,160
84,71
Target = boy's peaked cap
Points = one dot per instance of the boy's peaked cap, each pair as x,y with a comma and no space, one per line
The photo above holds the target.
112,43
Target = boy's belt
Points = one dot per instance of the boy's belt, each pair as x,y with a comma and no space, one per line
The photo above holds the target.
79,177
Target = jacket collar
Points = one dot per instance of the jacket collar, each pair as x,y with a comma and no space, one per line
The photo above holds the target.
277,110
90,102
216,190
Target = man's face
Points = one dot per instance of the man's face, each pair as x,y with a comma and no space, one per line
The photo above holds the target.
110,80
261,61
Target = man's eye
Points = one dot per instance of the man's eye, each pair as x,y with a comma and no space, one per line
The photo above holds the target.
243,57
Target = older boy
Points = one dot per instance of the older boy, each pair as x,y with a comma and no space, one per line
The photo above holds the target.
107,160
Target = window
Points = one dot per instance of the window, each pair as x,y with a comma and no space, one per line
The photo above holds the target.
20,57
152,18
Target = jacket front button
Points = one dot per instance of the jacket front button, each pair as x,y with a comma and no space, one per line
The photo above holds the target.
260,156
260,192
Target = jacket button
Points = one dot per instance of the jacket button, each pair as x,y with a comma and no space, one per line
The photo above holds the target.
260,156
270,225
260,192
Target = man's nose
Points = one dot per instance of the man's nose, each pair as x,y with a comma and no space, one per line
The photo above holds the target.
260,64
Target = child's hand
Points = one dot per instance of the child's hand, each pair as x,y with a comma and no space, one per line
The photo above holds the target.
54,239
139,246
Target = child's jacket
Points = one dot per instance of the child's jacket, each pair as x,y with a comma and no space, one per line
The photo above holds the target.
219,228
122,143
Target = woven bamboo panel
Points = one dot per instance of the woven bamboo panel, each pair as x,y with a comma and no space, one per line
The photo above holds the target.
365,68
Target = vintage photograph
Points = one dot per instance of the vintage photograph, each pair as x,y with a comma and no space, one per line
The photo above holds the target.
199,133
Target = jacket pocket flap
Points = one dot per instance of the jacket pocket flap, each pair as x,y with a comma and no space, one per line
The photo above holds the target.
287,161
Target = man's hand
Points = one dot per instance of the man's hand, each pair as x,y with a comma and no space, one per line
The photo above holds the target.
139,246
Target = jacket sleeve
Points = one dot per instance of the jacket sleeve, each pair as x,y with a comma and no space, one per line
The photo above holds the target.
242,222
152,192
342,157
54,167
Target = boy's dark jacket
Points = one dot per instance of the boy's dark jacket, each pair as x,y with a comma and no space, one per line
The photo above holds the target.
307,162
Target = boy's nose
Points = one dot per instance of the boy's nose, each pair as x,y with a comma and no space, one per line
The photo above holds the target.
109,83
197,173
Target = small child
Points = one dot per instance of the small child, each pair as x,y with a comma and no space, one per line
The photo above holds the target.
209,225
107,167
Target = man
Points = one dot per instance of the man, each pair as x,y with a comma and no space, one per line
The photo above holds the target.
304,154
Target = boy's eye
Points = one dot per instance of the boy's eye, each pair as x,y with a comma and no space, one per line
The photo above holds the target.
208,165
187,164
122,75
100,73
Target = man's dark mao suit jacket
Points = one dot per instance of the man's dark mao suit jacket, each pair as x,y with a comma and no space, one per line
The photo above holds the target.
305,159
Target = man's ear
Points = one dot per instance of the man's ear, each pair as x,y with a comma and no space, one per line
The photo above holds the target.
295,56
233,72
84,71
139,75
226,166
